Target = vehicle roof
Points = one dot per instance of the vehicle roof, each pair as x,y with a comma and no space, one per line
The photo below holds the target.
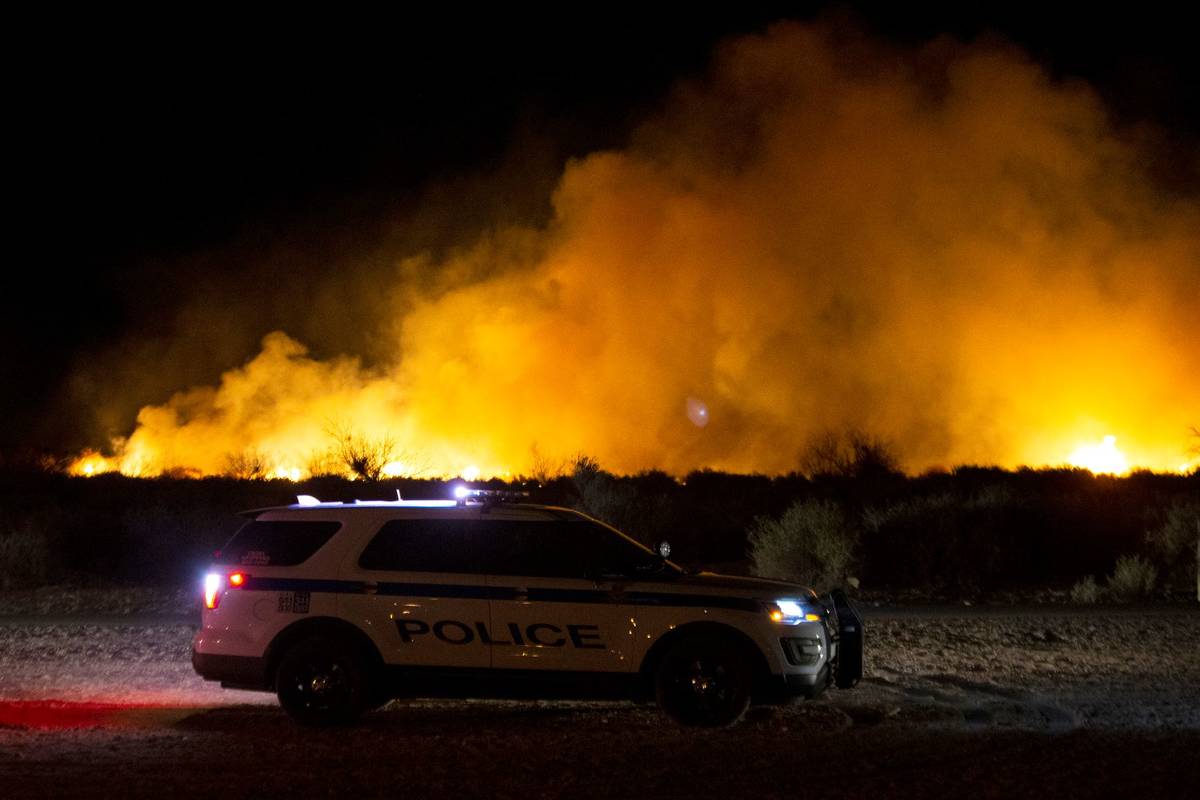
503,508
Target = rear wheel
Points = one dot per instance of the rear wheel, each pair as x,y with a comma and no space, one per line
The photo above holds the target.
322,681
704,682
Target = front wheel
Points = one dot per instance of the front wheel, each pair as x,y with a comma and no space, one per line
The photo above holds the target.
321,681
704,682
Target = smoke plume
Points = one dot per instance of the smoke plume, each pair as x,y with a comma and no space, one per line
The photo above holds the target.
941,245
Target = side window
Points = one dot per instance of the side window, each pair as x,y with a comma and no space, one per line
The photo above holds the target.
608,552
278,543
562,549
428,545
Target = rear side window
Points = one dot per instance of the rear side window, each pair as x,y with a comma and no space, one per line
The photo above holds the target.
429,545
277,543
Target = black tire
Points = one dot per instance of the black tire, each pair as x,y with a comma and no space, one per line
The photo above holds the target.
704,681
322,681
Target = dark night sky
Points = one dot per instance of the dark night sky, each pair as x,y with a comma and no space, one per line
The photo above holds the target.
144,152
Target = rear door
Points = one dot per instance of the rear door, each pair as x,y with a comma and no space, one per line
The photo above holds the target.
425,598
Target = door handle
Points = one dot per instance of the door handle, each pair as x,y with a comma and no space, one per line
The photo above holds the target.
370,587
521,593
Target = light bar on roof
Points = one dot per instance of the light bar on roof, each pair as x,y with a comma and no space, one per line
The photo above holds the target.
465,495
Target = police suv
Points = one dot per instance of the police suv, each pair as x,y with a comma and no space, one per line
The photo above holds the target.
340,607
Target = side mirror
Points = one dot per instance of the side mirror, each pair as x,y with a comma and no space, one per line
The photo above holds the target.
659,562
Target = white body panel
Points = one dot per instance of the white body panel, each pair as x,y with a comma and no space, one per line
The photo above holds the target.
473,621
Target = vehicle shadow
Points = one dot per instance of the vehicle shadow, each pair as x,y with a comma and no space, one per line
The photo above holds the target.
433,718
417,717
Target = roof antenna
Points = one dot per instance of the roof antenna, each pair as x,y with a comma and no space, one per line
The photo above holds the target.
399,499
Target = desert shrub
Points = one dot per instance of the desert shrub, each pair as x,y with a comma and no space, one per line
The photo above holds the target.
971,530
601,494
542,468
362,456
850,454
248,465
1086,592
1174,544
908,541
640,506
24,558
812,543
1133,579
325,464
947,541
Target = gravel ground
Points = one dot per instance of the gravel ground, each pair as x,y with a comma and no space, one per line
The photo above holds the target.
981,701
141,601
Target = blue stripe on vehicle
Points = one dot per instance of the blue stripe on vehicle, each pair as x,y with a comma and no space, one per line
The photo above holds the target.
436,590
534,594
663,599
302,585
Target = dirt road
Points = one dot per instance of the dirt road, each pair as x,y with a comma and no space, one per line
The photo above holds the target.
957,702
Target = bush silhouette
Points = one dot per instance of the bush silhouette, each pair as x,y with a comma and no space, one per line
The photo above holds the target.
1133,579
811,543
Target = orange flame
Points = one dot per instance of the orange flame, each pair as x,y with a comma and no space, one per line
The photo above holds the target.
1103,459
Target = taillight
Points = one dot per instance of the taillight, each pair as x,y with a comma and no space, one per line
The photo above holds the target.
214,582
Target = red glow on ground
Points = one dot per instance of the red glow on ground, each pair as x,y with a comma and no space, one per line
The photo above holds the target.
60,714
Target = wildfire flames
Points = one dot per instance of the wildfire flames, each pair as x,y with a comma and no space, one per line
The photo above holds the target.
1101,458
944,247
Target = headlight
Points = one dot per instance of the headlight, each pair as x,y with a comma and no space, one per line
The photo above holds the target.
789,611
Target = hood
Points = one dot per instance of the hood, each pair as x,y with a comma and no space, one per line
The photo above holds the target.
758,586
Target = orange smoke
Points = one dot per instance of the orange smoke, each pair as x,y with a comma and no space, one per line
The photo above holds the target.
942,246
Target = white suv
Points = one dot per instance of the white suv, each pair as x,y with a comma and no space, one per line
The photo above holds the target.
340,607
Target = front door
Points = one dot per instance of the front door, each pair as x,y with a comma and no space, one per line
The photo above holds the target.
559,603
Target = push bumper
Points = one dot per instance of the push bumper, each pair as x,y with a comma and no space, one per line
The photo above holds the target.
850,633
